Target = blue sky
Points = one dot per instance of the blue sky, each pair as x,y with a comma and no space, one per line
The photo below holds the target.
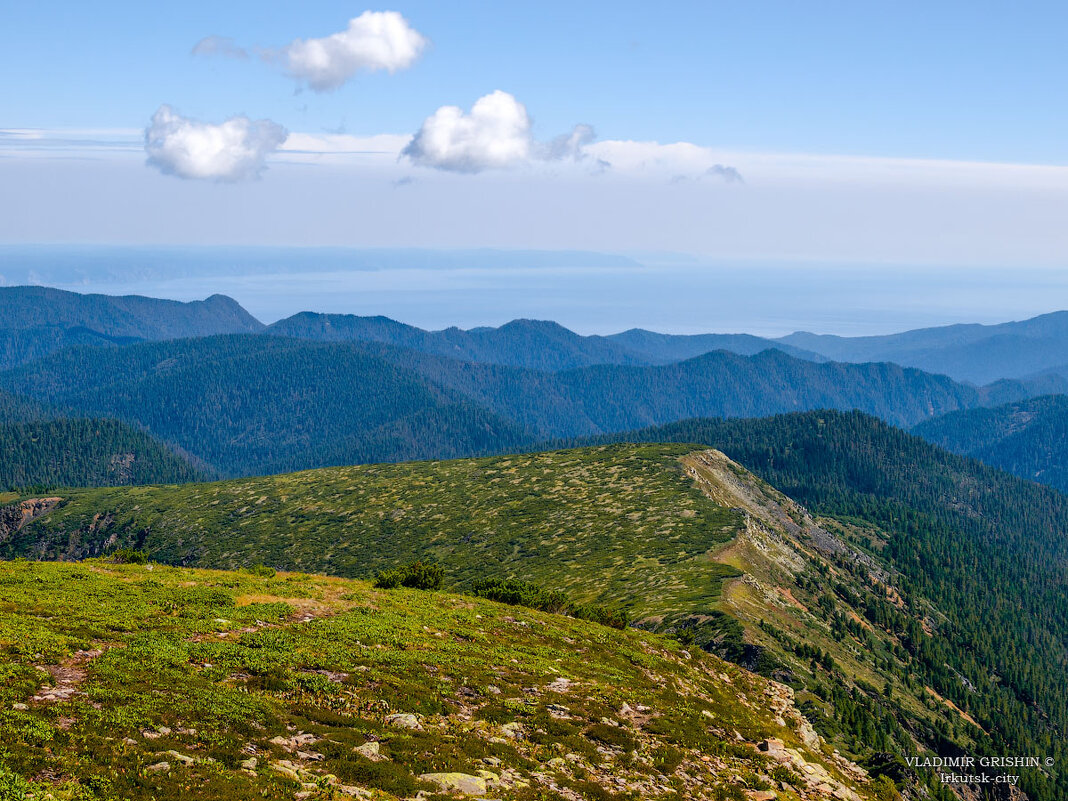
913,132
976,81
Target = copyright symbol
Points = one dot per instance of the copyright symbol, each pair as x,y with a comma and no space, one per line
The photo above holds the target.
1049,762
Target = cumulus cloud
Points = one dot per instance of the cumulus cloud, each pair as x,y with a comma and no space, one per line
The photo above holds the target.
233,150
219,46
375,40
495,134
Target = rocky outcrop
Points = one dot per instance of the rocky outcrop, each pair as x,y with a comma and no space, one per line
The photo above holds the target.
17,515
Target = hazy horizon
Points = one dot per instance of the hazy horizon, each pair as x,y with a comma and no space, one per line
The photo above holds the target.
588,292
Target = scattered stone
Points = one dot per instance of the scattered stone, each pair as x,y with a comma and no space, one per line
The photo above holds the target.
295,742
463,783
159,767
353,791
184,759
775,749
310,756
249,764
129,741
560,685
513,730
20,707
404,720
370,750
286,768
761,795
492,761
808,735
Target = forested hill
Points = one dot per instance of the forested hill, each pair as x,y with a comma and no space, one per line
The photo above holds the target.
86,453
253,404
606,398
20,409
36,321
258,404
535,344
1028,438
989,549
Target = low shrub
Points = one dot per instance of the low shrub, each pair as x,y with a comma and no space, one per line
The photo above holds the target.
130,556
417,576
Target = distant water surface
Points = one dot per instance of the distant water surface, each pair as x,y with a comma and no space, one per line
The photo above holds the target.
588,292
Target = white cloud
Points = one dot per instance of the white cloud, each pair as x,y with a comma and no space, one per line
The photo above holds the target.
375,40
219,46
495,134
230,151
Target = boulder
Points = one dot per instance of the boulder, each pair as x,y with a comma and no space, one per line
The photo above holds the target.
463,783
404,720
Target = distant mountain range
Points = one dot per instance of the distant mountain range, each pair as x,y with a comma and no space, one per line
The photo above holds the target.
39,320
536,344
314,389
248,404
976,353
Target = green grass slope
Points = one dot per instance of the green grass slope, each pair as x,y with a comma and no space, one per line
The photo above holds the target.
147,682
618,525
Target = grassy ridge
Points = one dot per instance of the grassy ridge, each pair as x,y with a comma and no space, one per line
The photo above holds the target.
614,524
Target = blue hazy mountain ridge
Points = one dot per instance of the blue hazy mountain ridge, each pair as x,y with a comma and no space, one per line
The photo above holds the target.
1028,438
249,404
537,344
976,353
36,320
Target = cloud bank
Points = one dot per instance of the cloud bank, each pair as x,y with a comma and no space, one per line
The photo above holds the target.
373,41
230,151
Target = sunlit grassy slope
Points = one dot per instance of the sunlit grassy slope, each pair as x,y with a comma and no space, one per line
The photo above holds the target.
617,524
152,682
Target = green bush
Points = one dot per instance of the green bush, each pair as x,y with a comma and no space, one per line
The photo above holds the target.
520,593
130,556
261,570
416,575
526,593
